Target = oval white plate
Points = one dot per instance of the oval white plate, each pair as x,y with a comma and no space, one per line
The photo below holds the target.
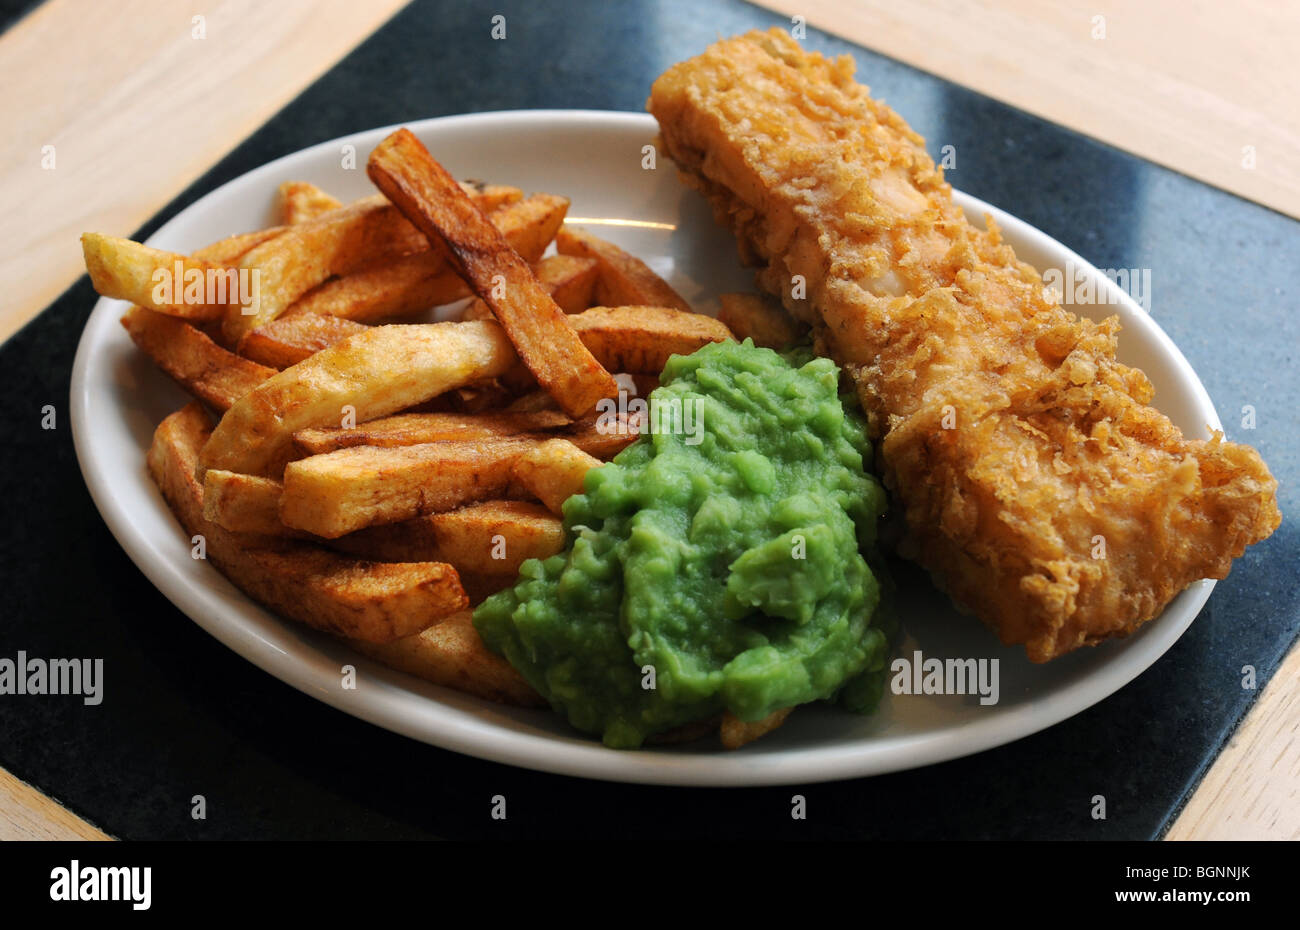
595,159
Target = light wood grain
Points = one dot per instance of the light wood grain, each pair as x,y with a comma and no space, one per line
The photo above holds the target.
1252,791
1189,85
136,107
26,814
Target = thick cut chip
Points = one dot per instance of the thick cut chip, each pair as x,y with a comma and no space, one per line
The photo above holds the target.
212,374
531,224
601,435
569,280
373,601
554,471
410,429
640,339
166,282
336,243
372,374
231,249
300,201
306,254
295,336
387,289
624,280
413,283
248,504
492,537
736,732
637,340
489,197
340,492
497,537
428,196
753,316
452,654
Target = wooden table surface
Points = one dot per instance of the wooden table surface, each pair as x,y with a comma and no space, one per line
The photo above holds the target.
115,108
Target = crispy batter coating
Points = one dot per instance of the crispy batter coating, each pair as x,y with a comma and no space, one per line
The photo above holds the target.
1037,484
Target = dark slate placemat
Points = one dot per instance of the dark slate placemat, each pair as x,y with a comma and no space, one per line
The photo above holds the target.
182,715
13,10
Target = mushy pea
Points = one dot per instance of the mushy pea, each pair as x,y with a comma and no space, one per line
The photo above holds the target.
716,571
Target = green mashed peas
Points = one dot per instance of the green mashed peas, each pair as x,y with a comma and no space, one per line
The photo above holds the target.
711,568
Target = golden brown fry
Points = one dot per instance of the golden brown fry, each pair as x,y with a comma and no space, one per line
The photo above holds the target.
195,362
421,188
395,287
553,472
302,256
248,504
410,429
497,537
451,653
340,492
300,201
492,537
335,493
231,249
387,289
476,309
624,280
640,339
568,279
374,601
629,339
753,316
295,336
530,225
490,197
375,373
590,434
305,255
166,282
635,340
736,732
601,436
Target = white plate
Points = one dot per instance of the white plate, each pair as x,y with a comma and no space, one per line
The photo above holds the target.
595,159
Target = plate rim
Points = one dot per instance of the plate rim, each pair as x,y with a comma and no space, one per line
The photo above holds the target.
395,708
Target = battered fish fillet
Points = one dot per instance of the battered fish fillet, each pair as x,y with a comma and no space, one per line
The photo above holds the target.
1037,484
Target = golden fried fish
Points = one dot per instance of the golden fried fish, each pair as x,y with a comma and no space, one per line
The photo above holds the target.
1036,482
